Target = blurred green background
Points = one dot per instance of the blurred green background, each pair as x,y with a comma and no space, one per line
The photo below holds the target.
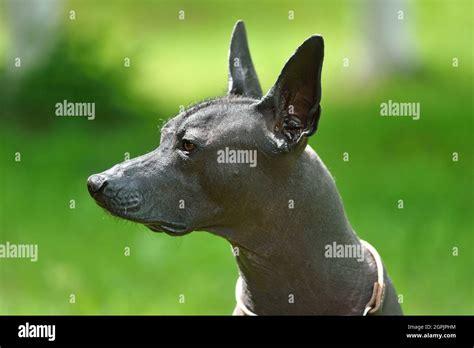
373,53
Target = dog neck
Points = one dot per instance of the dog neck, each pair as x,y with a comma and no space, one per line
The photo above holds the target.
281,253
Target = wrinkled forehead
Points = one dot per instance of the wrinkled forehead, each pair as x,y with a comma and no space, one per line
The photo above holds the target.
209,119
205,119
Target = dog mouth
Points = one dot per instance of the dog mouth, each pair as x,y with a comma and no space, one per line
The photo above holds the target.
128,205
170,228
119,203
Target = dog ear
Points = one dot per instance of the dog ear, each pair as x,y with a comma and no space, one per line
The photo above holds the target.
243,79
293,102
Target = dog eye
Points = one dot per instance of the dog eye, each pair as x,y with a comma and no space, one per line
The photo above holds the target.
188,146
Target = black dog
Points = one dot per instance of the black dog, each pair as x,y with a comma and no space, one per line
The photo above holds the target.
239,167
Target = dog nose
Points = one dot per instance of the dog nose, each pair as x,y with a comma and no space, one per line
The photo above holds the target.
96,182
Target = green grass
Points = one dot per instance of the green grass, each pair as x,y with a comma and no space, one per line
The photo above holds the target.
81,250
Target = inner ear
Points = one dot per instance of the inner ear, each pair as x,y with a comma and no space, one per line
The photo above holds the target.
300,116
294,100
293,129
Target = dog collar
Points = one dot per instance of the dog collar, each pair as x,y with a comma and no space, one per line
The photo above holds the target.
378,294
373,306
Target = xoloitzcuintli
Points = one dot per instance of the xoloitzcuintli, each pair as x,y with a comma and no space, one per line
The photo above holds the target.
239,166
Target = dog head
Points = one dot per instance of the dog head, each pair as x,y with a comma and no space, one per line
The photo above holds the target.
221,159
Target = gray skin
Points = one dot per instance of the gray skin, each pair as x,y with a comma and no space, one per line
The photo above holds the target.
281,250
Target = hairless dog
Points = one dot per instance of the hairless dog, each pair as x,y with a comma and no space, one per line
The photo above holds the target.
239,167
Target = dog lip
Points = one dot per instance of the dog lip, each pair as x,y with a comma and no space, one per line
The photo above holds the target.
154,227
170,228
117,209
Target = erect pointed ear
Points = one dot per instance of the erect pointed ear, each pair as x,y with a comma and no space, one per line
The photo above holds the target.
243,79
293,102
